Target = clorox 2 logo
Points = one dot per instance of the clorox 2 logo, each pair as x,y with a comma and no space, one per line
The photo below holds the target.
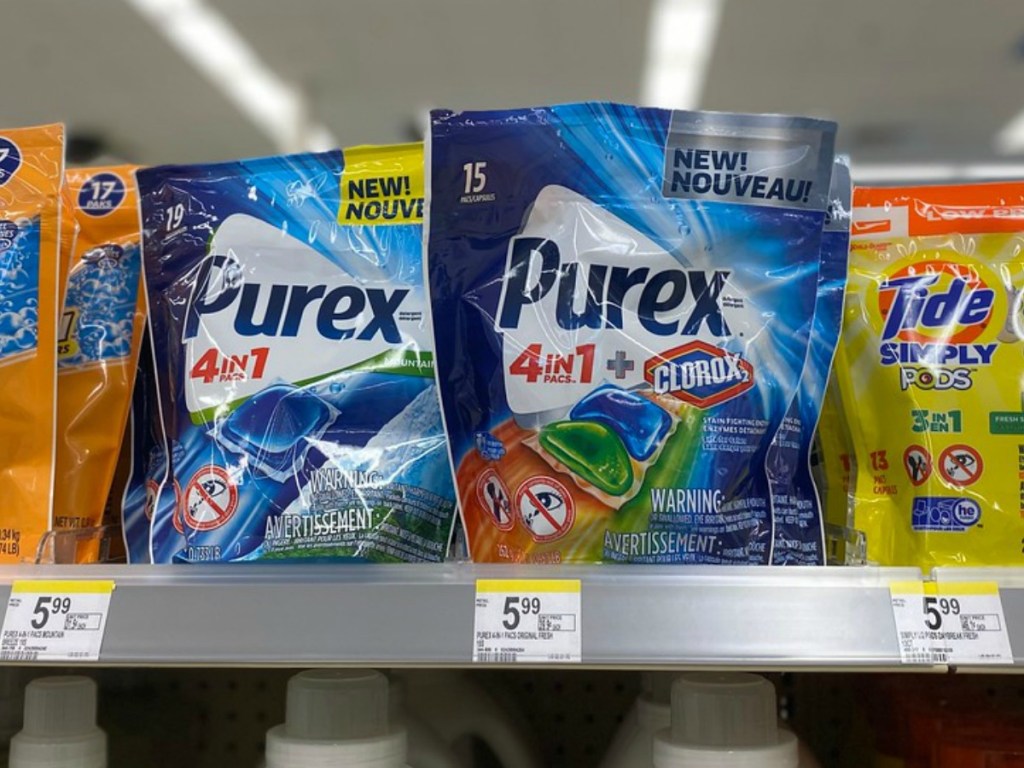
933,315
700,374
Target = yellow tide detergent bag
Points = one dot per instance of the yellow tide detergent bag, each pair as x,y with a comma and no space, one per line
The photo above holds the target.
98,343
31,164
931,373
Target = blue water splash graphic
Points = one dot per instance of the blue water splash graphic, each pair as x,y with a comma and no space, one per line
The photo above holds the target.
103,291
19,287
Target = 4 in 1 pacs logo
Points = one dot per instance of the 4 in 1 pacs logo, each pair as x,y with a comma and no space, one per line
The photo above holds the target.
700,374
933,316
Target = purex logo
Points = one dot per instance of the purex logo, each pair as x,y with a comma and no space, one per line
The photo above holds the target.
700,374
535,269
339,312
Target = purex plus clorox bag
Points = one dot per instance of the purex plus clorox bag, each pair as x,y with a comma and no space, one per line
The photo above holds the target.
622,301
295,373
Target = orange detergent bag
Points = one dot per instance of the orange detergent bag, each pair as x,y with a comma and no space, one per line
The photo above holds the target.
31,166
98,349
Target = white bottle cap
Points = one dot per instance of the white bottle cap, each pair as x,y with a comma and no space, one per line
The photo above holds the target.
60,728
336,717
724,720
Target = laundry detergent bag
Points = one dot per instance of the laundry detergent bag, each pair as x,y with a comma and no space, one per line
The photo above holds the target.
294,360
931,373
31,168
98,344
622,300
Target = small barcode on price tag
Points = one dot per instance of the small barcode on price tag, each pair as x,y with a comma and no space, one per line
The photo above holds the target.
55,620
497,657
527,621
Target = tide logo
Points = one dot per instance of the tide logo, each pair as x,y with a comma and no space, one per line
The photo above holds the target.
700,374
941,303
933,316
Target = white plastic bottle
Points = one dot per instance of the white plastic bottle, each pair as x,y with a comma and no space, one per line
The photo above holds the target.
426,748
460,710
724,721
633,745
59,729
337,719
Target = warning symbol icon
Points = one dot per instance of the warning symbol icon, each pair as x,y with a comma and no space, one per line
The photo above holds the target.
918,463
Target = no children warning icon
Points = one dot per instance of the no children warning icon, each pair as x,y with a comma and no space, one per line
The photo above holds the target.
211,499
545,507
918,463
492,493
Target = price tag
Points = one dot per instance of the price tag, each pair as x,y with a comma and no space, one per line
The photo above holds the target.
55,620
954,623
527,620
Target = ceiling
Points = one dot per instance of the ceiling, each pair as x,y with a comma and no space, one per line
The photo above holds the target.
909,81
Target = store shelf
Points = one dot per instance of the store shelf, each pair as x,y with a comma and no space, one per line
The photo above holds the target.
1011,594
423,615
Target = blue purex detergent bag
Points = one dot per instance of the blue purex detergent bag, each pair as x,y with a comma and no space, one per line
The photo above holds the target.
294,360
622,299
796,503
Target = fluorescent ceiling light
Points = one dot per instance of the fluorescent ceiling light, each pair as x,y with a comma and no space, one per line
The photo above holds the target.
900,172
679,43
209,41
1011,138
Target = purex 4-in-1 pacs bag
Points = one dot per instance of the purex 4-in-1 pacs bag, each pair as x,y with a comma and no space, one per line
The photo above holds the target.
31,168
930,373
796,501
622,299
294,363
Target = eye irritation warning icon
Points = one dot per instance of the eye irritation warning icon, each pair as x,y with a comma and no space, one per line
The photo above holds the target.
960,465
546,508
211,498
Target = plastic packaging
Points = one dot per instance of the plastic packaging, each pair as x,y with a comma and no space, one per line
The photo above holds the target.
337,718
148,470
833,468
929,373
796,501
724,720
98,344
622,300
294,362
633,745
60,728
462,712
31,170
